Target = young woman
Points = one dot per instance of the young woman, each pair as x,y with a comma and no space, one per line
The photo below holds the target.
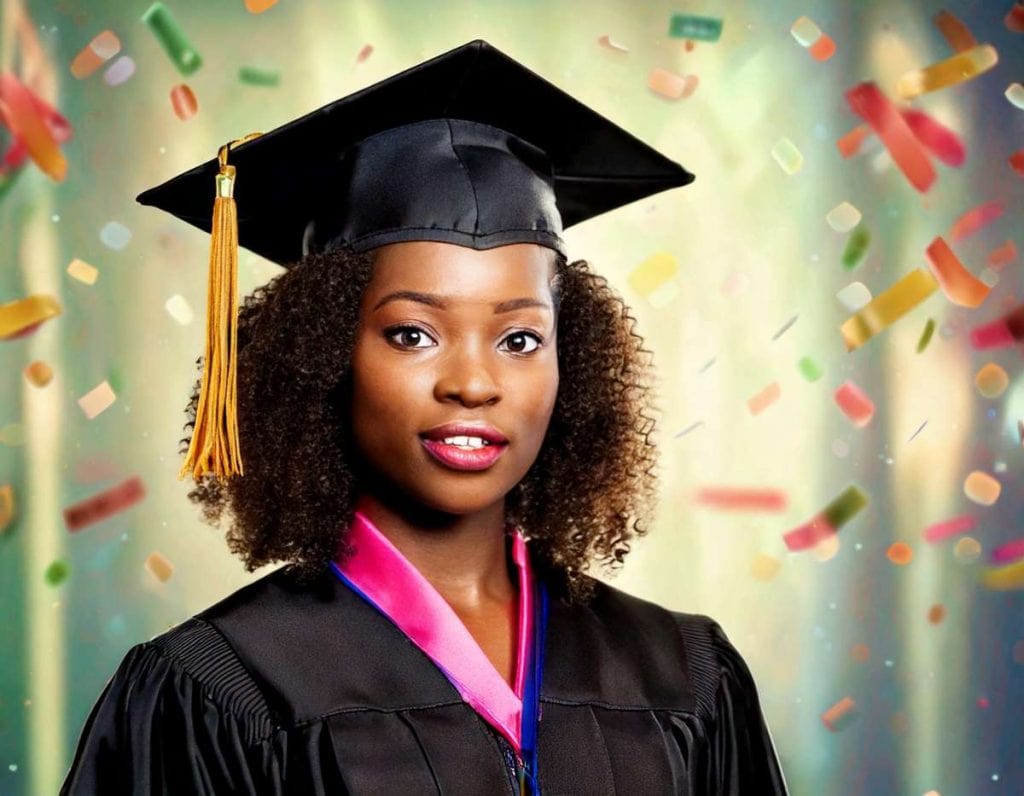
442,424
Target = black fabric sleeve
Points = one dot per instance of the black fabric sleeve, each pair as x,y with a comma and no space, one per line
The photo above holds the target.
156,730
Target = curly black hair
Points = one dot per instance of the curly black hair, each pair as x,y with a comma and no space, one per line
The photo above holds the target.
591,490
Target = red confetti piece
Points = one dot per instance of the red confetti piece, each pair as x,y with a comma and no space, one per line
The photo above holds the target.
32,121
1017,161
740,499
947,528
960,286
809,534
956,33
1009,552
855,403
1015,18
868,102
364,53
184,102
936,138
104,505
823,49
974,219
850,144
1001,256
996,334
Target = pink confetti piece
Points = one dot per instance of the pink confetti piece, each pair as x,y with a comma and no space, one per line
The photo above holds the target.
104,504
855,403
974,219
809,534
935,137
947,528
742,499
119,71
184,102
1009,552
1003,255
769,395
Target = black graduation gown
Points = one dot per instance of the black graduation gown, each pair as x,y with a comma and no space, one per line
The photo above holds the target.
286,690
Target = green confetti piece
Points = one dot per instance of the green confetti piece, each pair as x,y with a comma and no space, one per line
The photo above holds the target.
255,76
688,26
856,247
57,572
169,33
114,380
845,507
926,336
809,368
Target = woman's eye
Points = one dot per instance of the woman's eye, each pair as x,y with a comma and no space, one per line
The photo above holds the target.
519,336
407,336
411,336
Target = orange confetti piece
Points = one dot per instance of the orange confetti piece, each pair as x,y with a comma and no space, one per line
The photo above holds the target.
259,6
860,653
159,567
956,282
957,69
868,102
669,84
991,380
976,218
97,52
23,315
22,115
764,399
823,49
1003,255
742,499
6,507
982,488
838,716
936,613
184,102
850,144
900,553
956,33
38,373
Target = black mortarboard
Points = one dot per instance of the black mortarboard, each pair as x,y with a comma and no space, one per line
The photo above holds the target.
469,147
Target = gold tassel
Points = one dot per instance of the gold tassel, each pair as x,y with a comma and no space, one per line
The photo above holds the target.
214,447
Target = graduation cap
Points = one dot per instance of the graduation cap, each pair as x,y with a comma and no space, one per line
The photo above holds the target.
469,147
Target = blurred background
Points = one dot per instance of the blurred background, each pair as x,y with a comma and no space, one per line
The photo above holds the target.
889,656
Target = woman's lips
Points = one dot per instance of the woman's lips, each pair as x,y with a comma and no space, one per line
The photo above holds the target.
458,459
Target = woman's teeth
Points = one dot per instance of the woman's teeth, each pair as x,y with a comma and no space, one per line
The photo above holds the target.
466,443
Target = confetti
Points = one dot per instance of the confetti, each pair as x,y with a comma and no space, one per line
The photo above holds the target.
97,400
854,296
805,31
809,369
1015,94
974,219
887,308
97,52
34,122
854,403
172,38
1014,18
38,373
868,102
57,572
765,567
823,49
606,41
115,235
957,283
104,504
741,499
935,137
82,271
936,613
926,336
787,156
839,716
119,71
836,514
982,488
689,428
179,309
259,6
967,550
670,85
183,101
956,33
1017,161
785,327
843,217
1004,578
991,380
364,53
951,527
1003,255
769,395
23,316
159,567
1000,333
6,507
654,279
1005,553
850,143
689,26
856,247
920,428
900,553
950,72
255,76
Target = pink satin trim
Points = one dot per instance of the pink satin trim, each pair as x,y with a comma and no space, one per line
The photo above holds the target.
390,580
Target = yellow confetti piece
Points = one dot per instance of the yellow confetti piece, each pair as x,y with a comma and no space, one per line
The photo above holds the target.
17,316
982,488
1004,578
967,550
888,307
38,373
765,567
6,507
653,279
1015,94
991,380
159,567
83,272
843,217
953,70
97,400
787,155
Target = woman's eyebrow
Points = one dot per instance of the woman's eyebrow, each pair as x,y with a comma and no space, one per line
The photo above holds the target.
441,302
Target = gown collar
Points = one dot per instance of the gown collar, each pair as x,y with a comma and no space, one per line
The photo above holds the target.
380,573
